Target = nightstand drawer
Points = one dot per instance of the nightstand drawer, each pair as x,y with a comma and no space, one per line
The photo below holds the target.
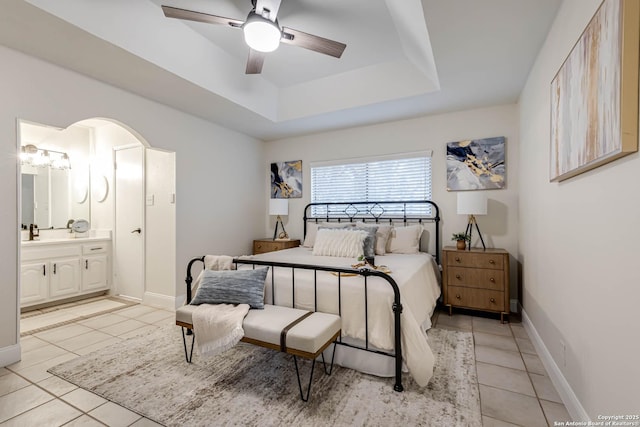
480,299
476,260
476,278
261,246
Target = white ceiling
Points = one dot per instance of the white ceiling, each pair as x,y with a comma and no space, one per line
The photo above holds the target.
404,58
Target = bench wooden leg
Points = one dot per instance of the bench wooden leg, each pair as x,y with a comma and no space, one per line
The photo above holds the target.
189,355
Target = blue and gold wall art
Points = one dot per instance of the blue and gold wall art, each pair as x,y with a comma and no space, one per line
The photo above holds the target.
286,180
476,164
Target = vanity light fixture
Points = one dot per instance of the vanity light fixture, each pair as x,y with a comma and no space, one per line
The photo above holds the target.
38,157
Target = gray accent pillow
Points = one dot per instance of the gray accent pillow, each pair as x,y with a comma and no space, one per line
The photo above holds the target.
369,246
232,287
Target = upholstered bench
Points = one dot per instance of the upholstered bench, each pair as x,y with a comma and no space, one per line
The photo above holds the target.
297,332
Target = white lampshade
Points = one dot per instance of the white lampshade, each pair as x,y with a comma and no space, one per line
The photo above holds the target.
472,203
278,207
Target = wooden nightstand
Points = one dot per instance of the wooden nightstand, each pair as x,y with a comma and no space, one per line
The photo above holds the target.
476,279
261,246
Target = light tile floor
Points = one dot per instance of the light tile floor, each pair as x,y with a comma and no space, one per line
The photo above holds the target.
514,387
30,396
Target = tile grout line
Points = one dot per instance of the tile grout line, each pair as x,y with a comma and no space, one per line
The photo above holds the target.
54,398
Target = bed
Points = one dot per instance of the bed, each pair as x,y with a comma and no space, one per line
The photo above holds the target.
384,316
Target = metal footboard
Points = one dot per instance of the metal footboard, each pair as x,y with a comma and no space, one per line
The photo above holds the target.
396,306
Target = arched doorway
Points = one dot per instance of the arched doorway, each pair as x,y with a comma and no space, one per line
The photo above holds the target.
92,185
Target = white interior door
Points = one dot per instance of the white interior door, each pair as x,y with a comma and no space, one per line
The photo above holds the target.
129,222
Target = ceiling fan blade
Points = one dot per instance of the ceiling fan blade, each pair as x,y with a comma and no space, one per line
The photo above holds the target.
311,42
189,15
254,63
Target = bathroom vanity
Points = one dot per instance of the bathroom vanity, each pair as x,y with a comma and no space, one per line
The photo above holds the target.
59,268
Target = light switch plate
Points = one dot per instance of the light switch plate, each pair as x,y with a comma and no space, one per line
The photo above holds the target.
150,200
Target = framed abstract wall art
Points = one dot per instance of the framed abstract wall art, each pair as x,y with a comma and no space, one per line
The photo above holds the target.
594,95
476,164
286,180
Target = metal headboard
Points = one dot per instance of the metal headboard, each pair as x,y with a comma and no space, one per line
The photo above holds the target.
394,212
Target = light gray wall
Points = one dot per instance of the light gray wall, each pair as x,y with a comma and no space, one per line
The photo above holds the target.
579,247
499,227
220,181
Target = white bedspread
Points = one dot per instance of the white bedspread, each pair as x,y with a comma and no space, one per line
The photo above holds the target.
417,277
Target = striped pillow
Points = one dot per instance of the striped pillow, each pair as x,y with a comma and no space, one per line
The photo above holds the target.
340,243
232,287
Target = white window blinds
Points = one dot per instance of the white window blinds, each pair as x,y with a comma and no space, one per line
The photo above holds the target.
401,177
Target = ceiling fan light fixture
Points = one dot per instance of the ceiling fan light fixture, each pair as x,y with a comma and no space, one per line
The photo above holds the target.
261,34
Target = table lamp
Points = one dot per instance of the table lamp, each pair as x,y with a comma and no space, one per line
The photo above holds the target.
279,207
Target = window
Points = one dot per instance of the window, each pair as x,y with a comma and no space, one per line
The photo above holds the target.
401,177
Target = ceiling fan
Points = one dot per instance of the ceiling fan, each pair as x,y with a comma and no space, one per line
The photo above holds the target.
262,33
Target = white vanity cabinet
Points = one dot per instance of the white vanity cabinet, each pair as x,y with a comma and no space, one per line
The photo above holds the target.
34,283
95,266
55,270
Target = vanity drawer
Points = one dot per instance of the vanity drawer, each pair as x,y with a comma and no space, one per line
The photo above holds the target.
95,248
480,299
476,260
476,278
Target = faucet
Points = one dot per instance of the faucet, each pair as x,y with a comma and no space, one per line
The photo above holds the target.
71,221
33,231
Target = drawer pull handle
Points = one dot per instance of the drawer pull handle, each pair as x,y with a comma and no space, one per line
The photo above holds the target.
492,280
457,259
492,261
44,269
96,249
492,300
458,276
86,264
54,267
458,296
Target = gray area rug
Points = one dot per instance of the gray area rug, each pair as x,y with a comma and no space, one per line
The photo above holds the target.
252,386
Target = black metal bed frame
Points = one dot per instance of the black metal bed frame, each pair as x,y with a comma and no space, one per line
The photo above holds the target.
359,211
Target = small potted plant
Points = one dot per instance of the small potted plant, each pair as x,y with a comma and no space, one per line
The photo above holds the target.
461,240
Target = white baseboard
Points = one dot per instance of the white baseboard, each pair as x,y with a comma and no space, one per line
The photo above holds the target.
10,355
158,300
569,398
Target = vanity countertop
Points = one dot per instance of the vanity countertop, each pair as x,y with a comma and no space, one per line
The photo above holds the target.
58,238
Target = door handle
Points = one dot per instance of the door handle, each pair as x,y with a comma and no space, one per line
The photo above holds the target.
137,230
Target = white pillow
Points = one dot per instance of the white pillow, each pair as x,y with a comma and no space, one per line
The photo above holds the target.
339,242
405,240
382,235
312,230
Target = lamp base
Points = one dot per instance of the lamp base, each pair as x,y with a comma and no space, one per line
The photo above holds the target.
283,235
472,221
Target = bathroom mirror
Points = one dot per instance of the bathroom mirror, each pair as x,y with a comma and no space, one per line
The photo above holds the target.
51,197
55,174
